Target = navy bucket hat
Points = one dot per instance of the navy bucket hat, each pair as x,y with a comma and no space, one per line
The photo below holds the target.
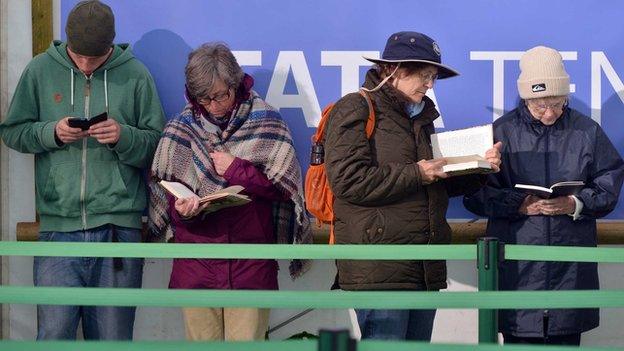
414,47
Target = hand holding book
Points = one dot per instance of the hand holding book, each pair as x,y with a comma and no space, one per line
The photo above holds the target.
189,207
188,204
534,205
467,151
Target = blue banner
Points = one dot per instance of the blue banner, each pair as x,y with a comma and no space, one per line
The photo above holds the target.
306,54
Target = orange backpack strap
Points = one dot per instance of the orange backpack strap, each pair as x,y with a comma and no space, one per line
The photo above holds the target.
320,130
370,123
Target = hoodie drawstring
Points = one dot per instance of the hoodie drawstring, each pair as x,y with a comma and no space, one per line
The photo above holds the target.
106,89
71,93
383,81
72,85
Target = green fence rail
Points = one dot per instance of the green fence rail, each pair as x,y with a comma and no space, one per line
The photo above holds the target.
318,252
303,345
238,251
486,253
311,299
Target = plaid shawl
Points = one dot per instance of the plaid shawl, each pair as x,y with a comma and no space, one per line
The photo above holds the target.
257,133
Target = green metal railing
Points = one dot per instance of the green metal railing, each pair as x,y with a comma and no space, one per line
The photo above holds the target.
487,300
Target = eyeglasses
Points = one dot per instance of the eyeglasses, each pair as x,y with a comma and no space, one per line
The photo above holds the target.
541,108
428,77
221,97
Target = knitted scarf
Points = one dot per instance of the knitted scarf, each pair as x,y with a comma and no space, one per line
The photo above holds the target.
256,133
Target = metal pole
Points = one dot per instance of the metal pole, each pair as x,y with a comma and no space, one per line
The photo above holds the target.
339,340
487,265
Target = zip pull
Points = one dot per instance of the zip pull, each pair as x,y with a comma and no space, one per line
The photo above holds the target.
545,319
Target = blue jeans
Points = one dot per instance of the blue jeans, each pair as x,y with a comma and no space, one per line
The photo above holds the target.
98,322
396,324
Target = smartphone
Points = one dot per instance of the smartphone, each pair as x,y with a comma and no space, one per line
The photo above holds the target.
84,123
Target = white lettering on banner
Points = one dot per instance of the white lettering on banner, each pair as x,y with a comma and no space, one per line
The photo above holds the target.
600,63
438,122
349,63
248,58
498,59
305,98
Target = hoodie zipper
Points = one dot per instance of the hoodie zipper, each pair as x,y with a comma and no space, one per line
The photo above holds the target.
83,179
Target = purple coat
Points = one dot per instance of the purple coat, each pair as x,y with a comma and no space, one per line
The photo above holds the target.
248,224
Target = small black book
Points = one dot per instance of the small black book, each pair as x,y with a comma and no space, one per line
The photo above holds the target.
558,189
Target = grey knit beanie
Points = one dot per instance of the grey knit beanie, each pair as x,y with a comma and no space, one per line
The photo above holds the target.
542,74
90,28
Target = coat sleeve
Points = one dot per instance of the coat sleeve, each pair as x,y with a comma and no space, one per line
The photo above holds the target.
600,196
243,172
23,129
462,185
351,172
137,144
494,200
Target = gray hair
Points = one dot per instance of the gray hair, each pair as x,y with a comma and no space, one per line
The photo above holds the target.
208,64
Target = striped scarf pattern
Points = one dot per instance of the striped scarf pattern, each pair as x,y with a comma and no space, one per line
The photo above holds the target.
256,133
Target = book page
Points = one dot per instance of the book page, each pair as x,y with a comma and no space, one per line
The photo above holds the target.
462,143
176,189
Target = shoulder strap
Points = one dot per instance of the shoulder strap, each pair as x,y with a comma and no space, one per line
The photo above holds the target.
370,123
320,130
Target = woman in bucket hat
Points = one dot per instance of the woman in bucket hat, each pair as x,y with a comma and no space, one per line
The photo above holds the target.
545,142
388,189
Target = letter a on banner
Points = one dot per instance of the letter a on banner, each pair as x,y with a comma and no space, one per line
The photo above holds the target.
305,98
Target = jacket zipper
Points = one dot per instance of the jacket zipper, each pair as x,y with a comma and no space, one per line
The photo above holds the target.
545,316
431,232
83,178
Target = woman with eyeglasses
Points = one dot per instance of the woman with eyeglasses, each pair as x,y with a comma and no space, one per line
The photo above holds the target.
545,142
227,135
388,189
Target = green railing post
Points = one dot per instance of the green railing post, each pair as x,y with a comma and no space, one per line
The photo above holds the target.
338,340
487,265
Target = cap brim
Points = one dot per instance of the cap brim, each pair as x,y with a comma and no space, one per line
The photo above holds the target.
443,71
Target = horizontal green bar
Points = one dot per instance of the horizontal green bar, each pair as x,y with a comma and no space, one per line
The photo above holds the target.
310,299
302,345
564,253
319,252
288,345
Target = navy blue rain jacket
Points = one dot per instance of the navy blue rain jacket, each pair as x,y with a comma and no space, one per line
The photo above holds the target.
573,148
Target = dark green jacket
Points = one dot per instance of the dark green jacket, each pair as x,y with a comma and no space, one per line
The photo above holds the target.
85,184
380,198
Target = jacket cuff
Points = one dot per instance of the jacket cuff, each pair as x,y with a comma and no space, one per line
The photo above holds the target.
577,208
125,140
514,201
231,170
414,173
48,136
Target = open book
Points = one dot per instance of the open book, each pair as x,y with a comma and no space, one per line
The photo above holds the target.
556,190
228,197
464,149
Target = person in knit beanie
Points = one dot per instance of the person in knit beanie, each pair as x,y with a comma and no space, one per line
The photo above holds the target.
544,83
547,142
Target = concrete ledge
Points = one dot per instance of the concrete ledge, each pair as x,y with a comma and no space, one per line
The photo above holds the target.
609,232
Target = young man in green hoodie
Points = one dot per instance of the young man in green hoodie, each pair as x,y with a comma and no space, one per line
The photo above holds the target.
89,183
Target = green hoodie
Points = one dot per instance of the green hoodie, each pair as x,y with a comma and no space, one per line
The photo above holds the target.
86,184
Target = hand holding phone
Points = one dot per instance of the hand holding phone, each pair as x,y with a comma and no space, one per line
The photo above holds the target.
66,134
107,131
85,123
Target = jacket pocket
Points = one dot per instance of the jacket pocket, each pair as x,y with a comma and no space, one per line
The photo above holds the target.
61,192
106,189
374,228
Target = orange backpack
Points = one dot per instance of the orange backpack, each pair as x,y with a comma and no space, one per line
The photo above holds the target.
318,195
